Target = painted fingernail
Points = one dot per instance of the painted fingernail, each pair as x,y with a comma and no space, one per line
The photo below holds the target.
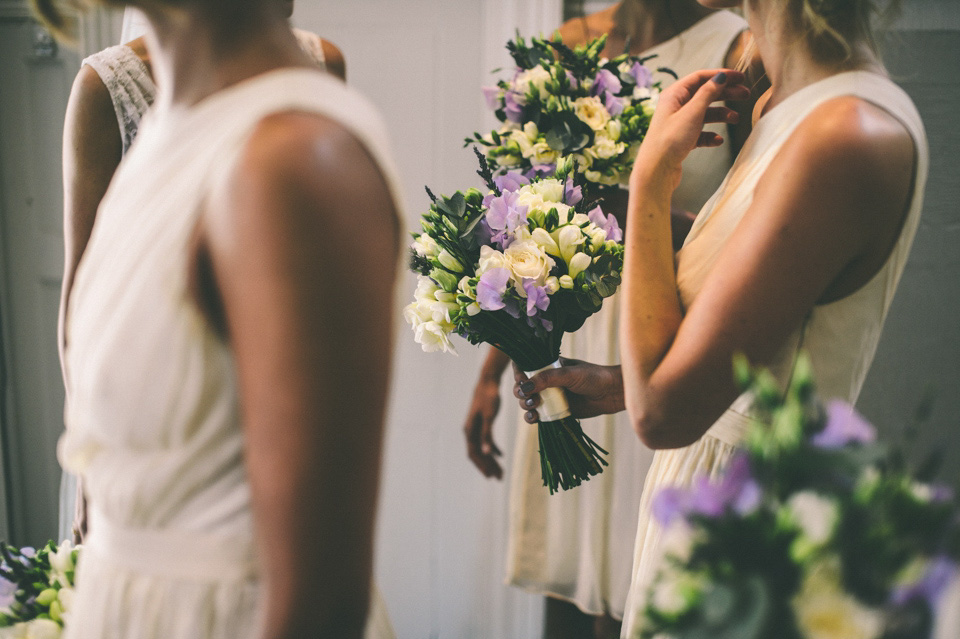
528,403
526,387
720,78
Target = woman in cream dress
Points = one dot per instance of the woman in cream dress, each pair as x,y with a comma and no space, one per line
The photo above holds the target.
802,247
231,478
110,96
576,546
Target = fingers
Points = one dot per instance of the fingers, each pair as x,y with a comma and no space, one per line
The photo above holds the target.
716,88
709,139
721,114
481,448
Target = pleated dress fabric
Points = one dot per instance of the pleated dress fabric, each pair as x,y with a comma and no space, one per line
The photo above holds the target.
132,91
577,545
840,338
154,421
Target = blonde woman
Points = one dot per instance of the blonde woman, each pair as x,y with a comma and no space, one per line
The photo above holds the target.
231,476
576,547
802,247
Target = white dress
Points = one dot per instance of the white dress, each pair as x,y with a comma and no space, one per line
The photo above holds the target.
132,91
578,544
153,422
840,337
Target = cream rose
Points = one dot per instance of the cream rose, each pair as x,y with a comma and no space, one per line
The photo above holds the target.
535,79
551,190
591,111
526,259
824,611
490,258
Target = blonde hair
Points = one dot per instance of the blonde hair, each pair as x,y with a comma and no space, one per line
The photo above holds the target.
832,29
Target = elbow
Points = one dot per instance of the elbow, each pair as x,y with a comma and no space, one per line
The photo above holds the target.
659,431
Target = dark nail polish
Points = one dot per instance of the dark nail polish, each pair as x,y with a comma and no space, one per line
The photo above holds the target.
720,78
528,403
526,387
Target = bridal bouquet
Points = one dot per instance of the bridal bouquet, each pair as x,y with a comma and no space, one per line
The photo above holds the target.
570,102
816,531
517,268
36,590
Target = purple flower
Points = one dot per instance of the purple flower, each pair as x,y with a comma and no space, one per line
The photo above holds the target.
492,96
735,490
540,170
574,83
512,307
7,591
930,587
572,194
614,104
504,215
606,82
844,426
607,222
642,75
511,181
537,297
513,104
491,287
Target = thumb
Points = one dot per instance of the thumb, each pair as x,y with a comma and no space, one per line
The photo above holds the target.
552,378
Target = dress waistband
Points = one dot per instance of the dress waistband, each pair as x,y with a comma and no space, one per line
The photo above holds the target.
178,554
731,428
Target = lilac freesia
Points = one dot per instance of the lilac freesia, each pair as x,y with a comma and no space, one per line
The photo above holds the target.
615,106
540,170
491,287
7,592
606,222
513,103
511,181
606,82
492,96
642,75
844,426
735,490
504,215
572,194
537,297
930,586
572,79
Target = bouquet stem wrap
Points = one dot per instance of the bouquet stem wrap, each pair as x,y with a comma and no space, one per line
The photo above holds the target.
567,455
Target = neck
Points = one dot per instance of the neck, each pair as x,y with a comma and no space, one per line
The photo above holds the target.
787,60
197,51
650,22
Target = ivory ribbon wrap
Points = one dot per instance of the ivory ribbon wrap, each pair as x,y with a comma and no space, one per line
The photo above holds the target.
553,403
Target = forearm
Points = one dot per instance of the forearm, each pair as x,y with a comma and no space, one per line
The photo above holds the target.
650,314
494,364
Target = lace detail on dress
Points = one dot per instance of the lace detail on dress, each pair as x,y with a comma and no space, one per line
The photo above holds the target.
131,88
312,45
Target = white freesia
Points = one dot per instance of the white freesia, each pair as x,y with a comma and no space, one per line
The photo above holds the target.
43,629
641,93
824,611
535,79
552,285
568,238
66,596
592,112
16,631
598,239
604,148
526,259
600,178
490,258
613,130
550,190
566,282
542,153
545,241
449,262
580,219
815,515
579,263
425,246
432,337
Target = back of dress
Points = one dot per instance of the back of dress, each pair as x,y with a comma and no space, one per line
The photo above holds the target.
153,425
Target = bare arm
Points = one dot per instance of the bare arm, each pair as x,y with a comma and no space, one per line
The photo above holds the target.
822,221
484,406
92,148
303,245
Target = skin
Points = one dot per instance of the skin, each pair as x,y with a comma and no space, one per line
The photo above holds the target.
823,221
312,451
92,150
654,25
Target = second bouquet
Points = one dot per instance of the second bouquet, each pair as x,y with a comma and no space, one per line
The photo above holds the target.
517,268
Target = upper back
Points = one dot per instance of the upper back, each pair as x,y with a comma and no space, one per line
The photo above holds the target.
841,337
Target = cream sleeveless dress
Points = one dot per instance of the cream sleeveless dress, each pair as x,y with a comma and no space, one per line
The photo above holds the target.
132,91
154,421
840,337
577,545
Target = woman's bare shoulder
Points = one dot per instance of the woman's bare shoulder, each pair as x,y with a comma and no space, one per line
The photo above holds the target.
333,57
